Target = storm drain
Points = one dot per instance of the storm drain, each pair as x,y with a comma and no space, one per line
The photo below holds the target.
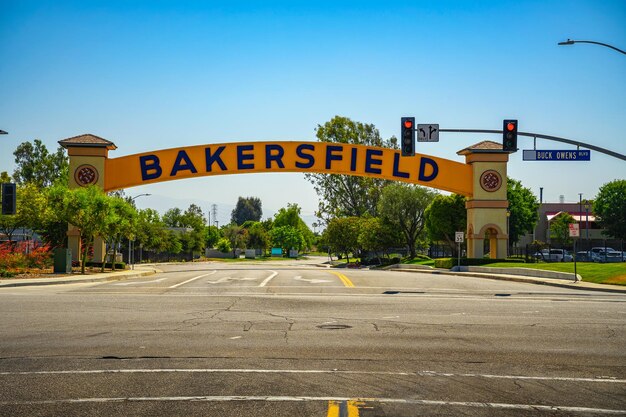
334,326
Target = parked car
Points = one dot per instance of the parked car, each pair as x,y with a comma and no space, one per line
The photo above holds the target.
560,255
584,256
543,254
600,253
614,256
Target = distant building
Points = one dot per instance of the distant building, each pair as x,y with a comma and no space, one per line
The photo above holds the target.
590,231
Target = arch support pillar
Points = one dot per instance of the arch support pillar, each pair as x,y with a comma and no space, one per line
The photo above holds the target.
487,207
88,154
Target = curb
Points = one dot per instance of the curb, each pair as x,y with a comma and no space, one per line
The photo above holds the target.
578,285
112,276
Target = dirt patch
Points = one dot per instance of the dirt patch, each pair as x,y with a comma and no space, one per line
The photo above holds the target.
619,280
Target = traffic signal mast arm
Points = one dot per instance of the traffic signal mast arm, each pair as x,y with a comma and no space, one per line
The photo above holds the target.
537,135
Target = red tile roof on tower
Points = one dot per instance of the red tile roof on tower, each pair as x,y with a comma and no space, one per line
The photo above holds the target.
88,140
484,146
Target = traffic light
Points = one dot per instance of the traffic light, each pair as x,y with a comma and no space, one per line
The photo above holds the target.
407,136
509,136
8,198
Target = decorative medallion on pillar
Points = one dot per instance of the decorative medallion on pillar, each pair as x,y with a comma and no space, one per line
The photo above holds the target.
490,180
86,175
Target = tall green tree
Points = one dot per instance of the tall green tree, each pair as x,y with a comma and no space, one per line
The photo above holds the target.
403,207
559,228
523,210
290,216
119,223
35,164
345,195
249,208
445,216
610,208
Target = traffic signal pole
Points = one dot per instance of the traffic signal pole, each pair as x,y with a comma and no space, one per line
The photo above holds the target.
540,136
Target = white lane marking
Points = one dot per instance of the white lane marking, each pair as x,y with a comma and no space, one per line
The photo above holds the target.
228,279
268,279
192,279
268,398
317,371
312,280
235,337
141,282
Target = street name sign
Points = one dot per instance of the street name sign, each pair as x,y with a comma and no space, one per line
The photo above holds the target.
428,133
543,155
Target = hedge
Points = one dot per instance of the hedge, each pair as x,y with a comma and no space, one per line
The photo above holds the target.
118,265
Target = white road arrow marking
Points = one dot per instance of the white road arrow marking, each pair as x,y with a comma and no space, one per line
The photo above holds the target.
312,281
193,279
268,279
228,279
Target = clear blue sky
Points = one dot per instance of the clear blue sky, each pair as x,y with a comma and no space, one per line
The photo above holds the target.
149,75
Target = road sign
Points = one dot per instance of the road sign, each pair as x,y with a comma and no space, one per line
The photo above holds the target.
570,155
459,237
574,230
428,133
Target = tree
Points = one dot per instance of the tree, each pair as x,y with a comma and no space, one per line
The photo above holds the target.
151,233
345,195
610,208
523,206
342,235
258,237
173,217
86,208
212,236
559,228
248,208
403,207
377,236
290,216
287,237
35,164
445,216
120,223
237,236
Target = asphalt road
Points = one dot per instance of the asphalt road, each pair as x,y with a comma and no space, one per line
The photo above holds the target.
289,339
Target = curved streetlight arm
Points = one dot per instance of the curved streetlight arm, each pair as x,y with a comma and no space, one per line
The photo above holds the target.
571,42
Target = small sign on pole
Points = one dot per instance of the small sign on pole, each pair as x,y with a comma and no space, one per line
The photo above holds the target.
459,237
574,230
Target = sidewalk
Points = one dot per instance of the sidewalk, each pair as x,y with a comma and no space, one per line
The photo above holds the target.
563,283
139,271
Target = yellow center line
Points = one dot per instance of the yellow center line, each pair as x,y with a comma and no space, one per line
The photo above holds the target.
350,408
346,281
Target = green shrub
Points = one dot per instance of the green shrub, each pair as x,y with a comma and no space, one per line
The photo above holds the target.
118,265
223,245
6,274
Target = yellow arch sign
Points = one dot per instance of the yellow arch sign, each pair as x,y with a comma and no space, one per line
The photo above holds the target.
314,157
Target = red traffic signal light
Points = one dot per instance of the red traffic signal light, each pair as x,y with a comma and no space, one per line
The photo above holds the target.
407,136
509,135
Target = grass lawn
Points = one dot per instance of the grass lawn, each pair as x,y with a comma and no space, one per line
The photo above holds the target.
611,273
420,261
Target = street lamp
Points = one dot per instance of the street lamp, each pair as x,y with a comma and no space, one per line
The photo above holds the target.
130,243
587,207
571,42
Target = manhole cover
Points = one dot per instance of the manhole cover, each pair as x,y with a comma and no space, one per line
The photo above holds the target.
334,326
